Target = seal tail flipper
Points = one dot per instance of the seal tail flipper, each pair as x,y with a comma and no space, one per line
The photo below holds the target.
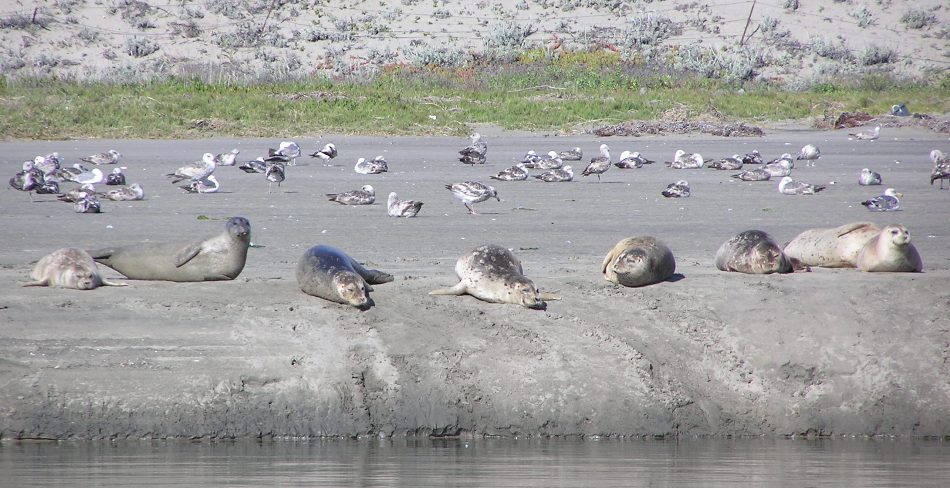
37,283
113,283
458,289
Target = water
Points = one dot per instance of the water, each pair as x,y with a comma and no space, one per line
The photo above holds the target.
493,462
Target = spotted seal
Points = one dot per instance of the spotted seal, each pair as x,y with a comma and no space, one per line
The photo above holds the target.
68,268
752,252
493,274
891,250
638,261
219,257
831,248
331,274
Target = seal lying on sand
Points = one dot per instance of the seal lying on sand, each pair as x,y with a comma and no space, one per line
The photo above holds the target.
68,268
220,257
890,250
638,261
493,274
331,274
752,252
832,248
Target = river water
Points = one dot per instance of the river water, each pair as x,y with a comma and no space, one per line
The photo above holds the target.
759,462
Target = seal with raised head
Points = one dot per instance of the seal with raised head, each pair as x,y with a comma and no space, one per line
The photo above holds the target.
639,261
493,274
220,257
831,248
68,268
331,274
752,252
891,250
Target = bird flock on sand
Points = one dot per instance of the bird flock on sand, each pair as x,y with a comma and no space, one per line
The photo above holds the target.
48,174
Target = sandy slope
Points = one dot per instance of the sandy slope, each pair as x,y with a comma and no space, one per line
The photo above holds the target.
831,351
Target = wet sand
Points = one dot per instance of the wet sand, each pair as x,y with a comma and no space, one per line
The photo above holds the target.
830,351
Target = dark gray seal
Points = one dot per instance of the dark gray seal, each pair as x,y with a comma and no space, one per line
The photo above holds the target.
331,274
639,261
753,252
219,257
493,274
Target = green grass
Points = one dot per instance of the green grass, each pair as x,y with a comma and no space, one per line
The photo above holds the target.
528,94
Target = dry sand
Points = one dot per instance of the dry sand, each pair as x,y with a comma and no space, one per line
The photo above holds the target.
825,352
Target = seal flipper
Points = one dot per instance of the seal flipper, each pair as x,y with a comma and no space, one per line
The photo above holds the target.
100,254
37,283
458,289
106,282
372,276
187,254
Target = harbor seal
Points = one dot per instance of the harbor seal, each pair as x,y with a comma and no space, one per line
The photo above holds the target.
68,268
891,250
752,252
331,274
219,257
493,274
831,248
638,261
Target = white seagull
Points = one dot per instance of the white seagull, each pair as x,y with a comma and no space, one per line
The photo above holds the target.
788,186
194,171
887,202
868,177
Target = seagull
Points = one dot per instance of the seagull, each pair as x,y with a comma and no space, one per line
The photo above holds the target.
194,171
472,192
551,161
810,153
682,160
571,154
752,158
868,135
731,163
788,186
530,159
208,184
630,160
557,175
680,189
109,157
254,166
93,176
517,172
477,149
116,177
869,178
364,196
374,167
275,173
77,194
87,204
599,164
887,202
125,193
757,174
327,153
473,158
402,208
226,159
28,179
941,169
287,149
66,174
779,167
48,164
48,188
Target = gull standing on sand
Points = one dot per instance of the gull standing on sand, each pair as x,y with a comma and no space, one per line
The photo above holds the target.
887,202
682,160
116,177
788,186
288,150
226,159
374,167
125,194
571,154
630,160
680,189
402,208
598,165
557,175
472,192
517,172
275,173
208,184
327,153
868,178
731,163
809,153
364,196
941,169
194,171
109,157
868,135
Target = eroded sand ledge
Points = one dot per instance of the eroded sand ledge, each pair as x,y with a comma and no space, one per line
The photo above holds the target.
832,351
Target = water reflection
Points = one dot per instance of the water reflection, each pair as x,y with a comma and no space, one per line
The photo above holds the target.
485,462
